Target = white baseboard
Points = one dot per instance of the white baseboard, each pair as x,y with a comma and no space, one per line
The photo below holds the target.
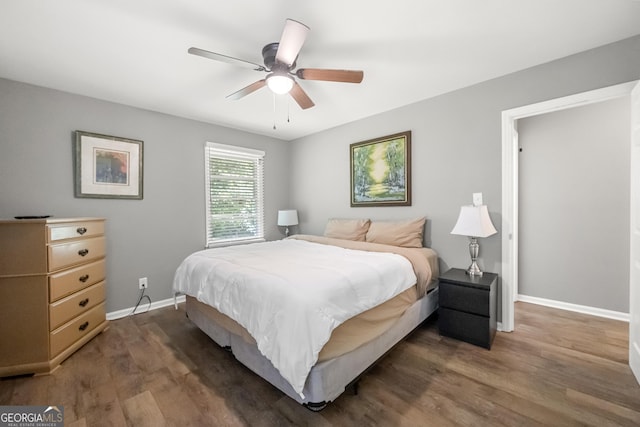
142,308
594,311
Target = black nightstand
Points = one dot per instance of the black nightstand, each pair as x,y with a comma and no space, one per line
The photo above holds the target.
468,306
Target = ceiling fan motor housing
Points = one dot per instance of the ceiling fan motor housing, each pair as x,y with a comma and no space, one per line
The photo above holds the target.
269,56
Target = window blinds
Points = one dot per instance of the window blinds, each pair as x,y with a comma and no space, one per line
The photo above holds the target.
234,192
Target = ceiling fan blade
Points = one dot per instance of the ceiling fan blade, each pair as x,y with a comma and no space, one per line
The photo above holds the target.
225,58
301,96
345,76
293,37
247,90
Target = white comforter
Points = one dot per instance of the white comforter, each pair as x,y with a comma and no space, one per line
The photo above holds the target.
291,294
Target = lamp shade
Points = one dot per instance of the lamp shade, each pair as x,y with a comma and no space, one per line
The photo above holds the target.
474,221
288,217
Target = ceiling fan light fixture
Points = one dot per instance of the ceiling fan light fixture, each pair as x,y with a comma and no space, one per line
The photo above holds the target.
279,62
279,83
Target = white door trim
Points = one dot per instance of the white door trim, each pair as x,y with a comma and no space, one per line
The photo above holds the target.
634,258
510,183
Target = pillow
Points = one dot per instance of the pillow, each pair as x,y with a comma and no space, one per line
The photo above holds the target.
347,229
407,233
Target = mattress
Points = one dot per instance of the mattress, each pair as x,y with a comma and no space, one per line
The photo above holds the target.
353,332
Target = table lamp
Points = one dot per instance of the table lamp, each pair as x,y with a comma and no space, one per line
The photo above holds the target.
474,222
286,218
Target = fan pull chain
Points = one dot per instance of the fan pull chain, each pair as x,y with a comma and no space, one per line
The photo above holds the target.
288,109
274,111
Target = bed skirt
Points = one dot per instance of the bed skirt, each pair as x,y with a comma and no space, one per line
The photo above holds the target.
327,379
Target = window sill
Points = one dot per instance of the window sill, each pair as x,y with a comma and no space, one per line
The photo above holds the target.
235,242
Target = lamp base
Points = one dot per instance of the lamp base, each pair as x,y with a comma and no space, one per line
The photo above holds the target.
474,249
474,270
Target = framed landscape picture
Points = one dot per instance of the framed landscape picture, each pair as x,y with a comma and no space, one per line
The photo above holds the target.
381,171
107,167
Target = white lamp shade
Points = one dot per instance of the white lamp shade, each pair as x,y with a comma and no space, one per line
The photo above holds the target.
288,217
474,221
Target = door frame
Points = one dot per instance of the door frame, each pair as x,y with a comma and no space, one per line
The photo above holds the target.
510,180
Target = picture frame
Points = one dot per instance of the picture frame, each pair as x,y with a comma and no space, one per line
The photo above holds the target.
107,167
381,171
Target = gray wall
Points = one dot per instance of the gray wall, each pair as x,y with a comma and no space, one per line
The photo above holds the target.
456,151
574,174
456,148
146,237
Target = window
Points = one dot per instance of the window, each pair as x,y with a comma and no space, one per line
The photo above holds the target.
234,192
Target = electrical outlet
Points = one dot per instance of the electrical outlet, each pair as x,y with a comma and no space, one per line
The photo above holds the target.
142,283
477,199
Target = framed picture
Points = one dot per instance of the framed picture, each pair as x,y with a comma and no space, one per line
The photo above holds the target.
107,167
381,171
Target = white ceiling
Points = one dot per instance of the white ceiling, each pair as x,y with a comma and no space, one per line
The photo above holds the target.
134,52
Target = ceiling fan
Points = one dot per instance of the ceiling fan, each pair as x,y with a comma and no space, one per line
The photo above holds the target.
280,62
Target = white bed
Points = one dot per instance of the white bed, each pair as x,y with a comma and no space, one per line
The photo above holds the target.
312,325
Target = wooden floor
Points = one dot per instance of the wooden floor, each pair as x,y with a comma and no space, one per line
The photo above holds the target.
558,368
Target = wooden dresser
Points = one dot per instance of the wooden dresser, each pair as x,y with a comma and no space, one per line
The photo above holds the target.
52,291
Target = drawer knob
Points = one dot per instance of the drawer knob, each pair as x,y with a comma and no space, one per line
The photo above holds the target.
83,302
81,230
84,278
84,326
83,252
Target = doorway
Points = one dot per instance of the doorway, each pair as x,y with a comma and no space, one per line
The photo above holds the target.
510,183
574,209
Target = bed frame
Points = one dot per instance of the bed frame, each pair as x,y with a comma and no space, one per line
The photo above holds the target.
327,379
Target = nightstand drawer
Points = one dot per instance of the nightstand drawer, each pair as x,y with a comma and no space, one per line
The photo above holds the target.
464,298
75,329
74,305
467,327
75,252
70,281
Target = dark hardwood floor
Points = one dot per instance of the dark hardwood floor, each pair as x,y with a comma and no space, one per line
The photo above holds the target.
558,368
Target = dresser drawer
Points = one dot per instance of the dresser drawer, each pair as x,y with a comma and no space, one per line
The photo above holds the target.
75,252
74,305
464,298
69,281
75,329
74,230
